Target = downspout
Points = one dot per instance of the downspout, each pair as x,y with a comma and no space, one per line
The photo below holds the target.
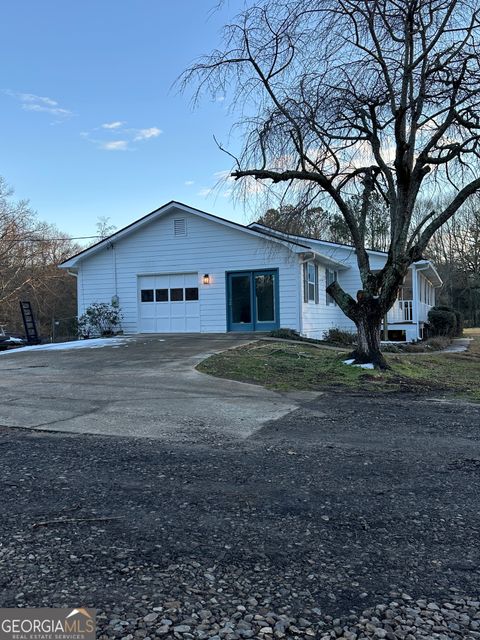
415,298
115,298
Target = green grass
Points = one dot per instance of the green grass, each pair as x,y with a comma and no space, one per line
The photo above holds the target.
285,366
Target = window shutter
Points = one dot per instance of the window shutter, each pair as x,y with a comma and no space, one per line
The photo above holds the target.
316,284
305,282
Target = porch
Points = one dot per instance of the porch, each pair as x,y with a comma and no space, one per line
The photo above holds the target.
416,297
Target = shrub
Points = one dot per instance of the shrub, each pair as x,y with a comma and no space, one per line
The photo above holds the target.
100,318
438,343
285,334
442,321
340,337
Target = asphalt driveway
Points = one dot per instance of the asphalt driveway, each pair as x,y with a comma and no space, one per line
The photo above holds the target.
146,386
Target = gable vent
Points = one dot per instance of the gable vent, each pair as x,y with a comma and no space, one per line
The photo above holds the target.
180,227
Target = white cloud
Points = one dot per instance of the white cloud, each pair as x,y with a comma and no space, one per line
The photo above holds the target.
32,102
30,97
117,128
189,183
146,134
55,111
115,145
113,125
204,192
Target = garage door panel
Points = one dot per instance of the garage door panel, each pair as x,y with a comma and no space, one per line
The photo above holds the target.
192,325
163,307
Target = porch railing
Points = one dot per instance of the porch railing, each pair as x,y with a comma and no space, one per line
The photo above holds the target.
402,311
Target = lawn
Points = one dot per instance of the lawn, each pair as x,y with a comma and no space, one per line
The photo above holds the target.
287,366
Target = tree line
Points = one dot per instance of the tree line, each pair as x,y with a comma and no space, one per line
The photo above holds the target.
30,251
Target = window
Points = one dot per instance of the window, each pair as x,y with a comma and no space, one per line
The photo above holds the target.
310,282
161,295
191,293
330,276
146,295
180,227
176,295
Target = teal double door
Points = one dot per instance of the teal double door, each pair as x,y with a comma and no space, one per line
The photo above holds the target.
253,300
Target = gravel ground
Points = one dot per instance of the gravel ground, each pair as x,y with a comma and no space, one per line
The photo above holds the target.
353,517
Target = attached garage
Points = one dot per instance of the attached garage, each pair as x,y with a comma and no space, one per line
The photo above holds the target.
169,303
181,270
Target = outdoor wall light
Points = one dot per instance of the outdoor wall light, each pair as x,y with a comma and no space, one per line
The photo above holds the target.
206,279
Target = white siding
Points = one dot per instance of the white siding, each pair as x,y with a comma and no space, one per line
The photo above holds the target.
208,247
318,318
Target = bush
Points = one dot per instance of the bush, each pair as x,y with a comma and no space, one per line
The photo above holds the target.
444,321
100,318
285,334
340,337
438,343
441,322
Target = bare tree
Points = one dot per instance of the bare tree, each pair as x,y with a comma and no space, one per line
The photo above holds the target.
30,251
312,222
455,248
358,97
17,227
104,228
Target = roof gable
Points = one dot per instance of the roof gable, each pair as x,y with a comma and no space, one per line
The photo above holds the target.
164,210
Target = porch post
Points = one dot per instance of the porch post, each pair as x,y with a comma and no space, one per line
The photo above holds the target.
415,299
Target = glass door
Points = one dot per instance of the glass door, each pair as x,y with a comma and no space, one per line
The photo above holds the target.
240,302
252,301
265,299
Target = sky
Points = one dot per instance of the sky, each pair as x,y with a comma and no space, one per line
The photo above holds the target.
90,125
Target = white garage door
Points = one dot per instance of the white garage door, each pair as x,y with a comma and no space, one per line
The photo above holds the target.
169,303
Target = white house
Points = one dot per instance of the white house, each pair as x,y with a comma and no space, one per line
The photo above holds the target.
179,269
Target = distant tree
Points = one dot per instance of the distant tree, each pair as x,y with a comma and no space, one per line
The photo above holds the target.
104,229
358,97
310,222
30,251
316,222
455,249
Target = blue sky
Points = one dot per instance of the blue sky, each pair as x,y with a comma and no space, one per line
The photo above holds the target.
89,123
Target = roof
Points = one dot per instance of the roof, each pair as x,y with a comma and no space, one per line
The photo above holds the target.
428,268
272,231
163,210
422,265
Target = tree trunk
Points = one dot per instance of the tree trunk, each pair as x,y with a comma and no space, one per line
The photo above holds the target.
369,329
367,313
